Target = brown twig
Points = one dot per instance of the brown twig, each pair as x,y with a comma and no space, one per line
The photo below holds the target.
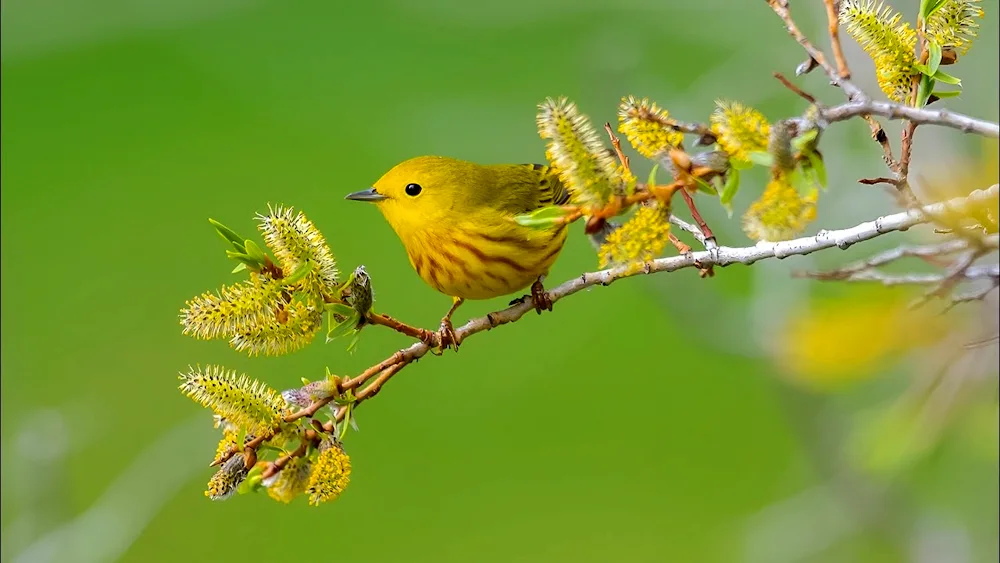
617,144
309,438
879,136
399,326
876,181
681,247
833,20
788,84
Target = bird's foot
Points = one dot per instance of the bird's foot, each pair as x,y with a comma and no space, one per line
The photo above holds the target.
540,298
446,337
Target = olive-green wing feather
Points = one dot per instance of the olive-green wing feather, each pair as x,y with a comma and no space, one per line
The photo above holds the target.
551,189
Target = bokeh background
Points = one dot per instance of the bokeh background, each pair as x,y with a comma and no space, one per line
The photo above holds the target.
750,417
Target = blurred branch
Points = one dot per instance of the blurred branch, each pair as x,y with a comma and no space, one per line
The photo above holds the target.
919,116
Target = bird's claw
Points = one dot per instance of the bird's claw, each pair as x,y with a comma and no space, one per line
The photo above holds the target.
540,298
446,337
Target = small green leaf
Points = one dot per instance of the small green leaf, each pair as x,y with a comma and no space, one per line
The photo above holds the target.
353,346
254,251
942,76
934,60
347,421
947,94
344,327
252,483
761,158
239,268
925,89
652,175
250,262
801,142
543,217
228,235
738,164
299,274
729,190
922,68
342,309
819,168
928,7
705,187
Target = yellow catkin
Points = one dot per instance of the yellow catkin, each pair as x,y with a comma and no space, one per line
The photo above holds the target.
235,308
647,127
739,129
297,327
781,213
294,239
291,481
227,444
889,41
640,239
585,166
954,24
330,475
243,401
227,479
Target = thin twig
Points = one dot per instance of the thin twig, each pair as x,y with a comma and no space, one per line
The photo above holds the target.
854,93
833,20
879,136
617,144
798,91
399,326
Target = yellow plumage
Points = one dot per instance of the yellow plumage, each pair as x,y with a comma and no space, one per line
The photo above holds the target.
456,221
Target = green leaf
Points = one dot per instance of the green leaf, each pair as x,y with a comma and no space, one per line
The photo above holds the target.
925,89
239,268
922,68
347,421
819,168
299,274
800,180
947,94
738,164
803,141
942,76
761,158
249,261
729,190
254,251
543,217
652,175
228,235
705,187
928,7
934,51
342,309
344,327
353,346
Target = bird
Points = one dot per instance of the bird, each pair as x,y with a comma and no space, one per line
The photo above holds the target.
456,220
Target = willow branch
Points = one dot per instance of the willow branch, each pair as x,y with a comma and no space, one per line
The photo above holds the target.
717,256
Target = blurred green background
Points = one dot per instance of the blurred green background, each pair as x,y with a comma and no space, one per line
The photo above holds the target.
646,421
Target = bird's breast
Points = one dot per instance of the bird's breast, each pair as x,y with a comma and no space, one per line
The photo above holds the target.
477,263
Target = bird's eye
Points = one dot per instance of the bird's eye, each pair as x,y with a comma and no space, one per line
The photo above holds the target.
412,189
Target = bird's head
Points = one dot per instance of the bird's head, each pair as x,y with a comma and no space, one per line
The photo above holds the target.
423,191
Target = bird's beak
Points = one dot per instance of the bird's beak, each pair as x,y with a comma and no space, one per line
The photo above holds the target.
366,195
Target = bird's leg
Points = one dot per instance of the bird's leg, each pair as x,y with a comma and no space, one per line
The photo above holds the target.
447,335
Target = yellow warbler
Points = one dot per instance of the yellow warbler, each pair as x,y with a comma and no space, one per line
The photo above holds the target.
456,220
